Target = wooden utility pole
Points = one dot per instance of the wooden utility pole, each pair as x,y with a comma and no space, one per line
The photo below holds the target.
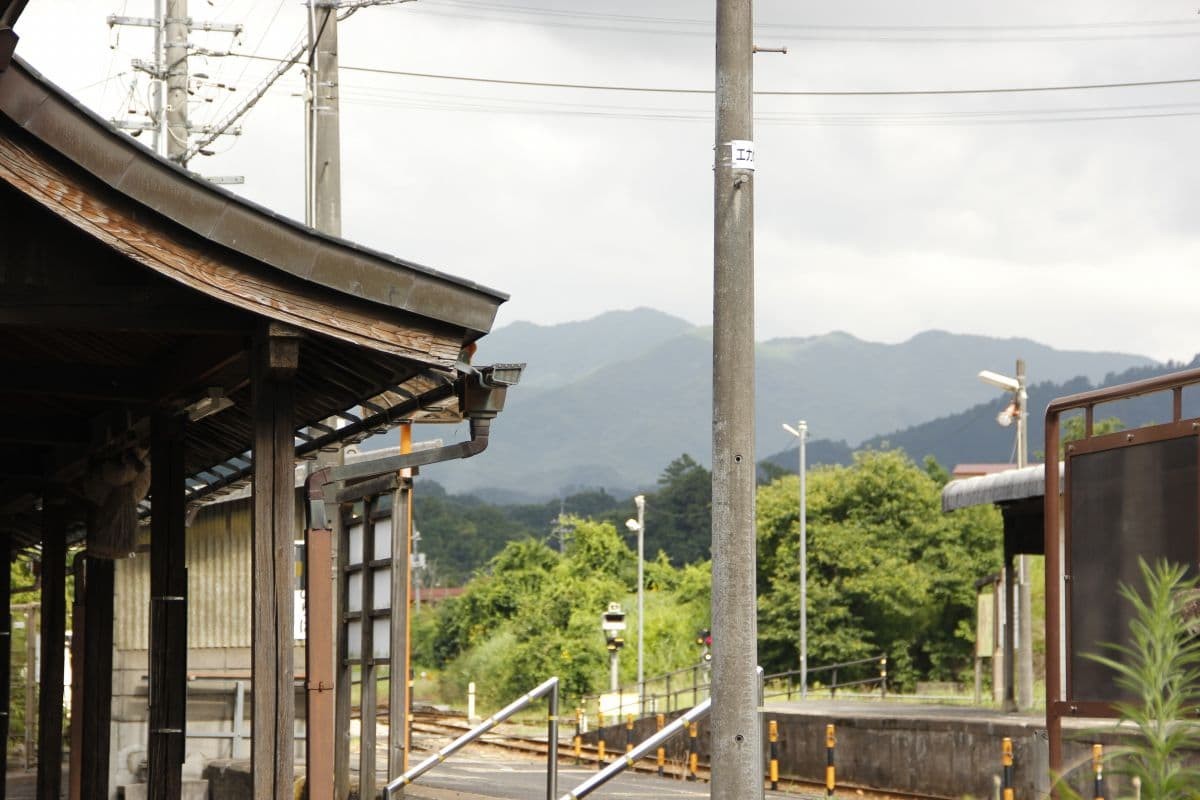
736,746
324,166
175,30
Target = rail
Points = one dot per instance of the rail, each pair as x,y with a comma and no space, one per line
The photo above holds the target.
834,684
549,689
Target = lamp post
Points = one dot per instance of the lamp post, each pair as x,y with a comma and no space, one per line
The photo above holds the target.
1018,409
801,433
639,525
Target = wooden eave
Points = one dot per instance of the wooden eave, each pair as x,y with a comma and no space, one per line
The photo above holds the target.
128,288
90,148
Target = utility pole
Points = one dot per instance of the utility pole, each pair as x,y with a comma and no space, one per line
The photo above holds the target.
1024,595
736,739
169,69
175,46
324,167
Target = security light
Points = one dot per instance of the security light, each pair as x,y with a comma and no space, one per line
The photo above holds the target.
632,524
999,381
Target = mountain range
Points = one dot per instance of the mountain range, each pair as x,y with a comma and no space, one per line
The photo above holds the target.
609,402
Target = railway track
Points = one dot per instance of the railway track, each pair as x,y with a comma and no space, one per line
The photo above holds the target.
432,730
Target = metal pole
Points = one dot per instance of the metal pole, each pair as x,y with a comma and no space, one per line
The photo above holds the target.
176,51
736,738
156,94
613,676
552,744
640,502
802,427
1024,595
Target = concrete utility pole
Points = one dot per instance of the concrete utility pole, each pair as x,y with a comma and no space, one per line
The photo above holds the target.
324,167
736,740
175,35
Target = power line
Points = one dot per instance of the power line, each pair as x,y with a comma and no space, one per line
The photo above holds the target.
761,93
677,26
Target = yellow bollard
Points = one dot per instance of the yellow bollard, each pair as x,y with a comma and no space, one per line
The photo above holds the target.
830,769
773,738
629,733
1006,761
661,755
693,756
1098,770
578,736
600,740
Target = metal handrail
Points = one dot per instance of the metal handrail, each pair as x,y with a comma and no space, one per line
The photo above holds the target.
549,687
643,749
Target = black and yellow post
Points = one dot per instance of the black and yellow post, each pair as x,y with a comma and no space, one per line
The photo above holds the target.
1007,762
578,735
629,733
1098,770
693,757
600,740
661,756
830,769
773,764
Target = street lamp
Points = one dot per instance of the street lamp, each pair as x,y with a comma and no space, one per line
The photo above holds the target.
639,526
1018,410
801,433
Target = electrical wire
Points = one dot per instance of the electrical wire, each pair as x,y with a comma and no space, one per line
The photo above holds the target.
676,26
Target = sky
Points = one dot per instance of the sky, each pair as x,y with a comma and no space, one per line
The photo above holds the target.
1068,217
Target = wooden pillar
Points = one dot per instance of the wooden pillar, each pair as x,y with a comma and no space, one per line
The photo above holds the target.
94,714
78,632
342,685
276,357
319,664
398,663
54,616
168,609
5,642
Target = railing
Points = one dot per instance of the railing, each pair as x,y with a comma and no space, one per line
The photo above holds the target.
791,686
641,751
548,688
687,687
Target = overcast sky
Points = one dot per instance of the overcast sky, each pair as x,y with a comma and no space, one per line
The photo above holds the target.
881,216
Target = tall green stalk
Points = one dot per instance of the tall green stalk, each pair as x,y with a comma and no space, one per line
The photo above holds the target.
1160,668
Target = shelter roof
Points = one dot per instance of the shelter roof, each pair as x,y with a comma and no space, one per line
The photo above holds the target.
997,487
128,287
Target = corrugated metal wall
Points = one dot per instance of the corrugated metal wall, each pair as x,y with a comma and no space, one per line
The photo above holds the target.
218,564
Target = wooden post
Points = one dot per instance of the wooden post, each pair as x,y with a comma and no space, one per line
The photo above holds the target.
319,665
398,666
78,631
342,684
168,610
54,612
95,713
368,698
276,357
5,642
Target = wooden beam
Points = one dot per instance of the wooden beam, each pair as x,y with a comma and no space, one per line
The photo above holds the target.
134,309
79,381
95,713
54,612
275,359
168,609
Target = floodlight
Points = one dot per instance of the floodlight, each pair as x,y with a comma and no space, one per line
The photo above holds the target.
632,524
1000,381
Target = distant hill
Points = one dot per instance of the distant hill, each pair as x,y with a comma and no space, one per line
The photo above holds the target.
973,436
609,402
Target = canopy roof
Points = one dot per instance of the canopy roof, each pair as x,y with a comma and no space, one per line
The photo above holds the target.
128,286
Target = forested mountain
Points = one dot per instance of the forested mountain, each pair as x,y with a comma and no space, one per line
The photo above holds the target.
974,436
608,401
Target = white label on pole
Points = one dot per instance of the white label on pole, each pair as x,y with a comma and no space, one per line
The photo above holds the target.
742,154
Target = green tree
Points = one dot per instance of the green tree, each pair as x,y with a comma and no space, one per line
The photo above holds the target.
679,514
888,571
